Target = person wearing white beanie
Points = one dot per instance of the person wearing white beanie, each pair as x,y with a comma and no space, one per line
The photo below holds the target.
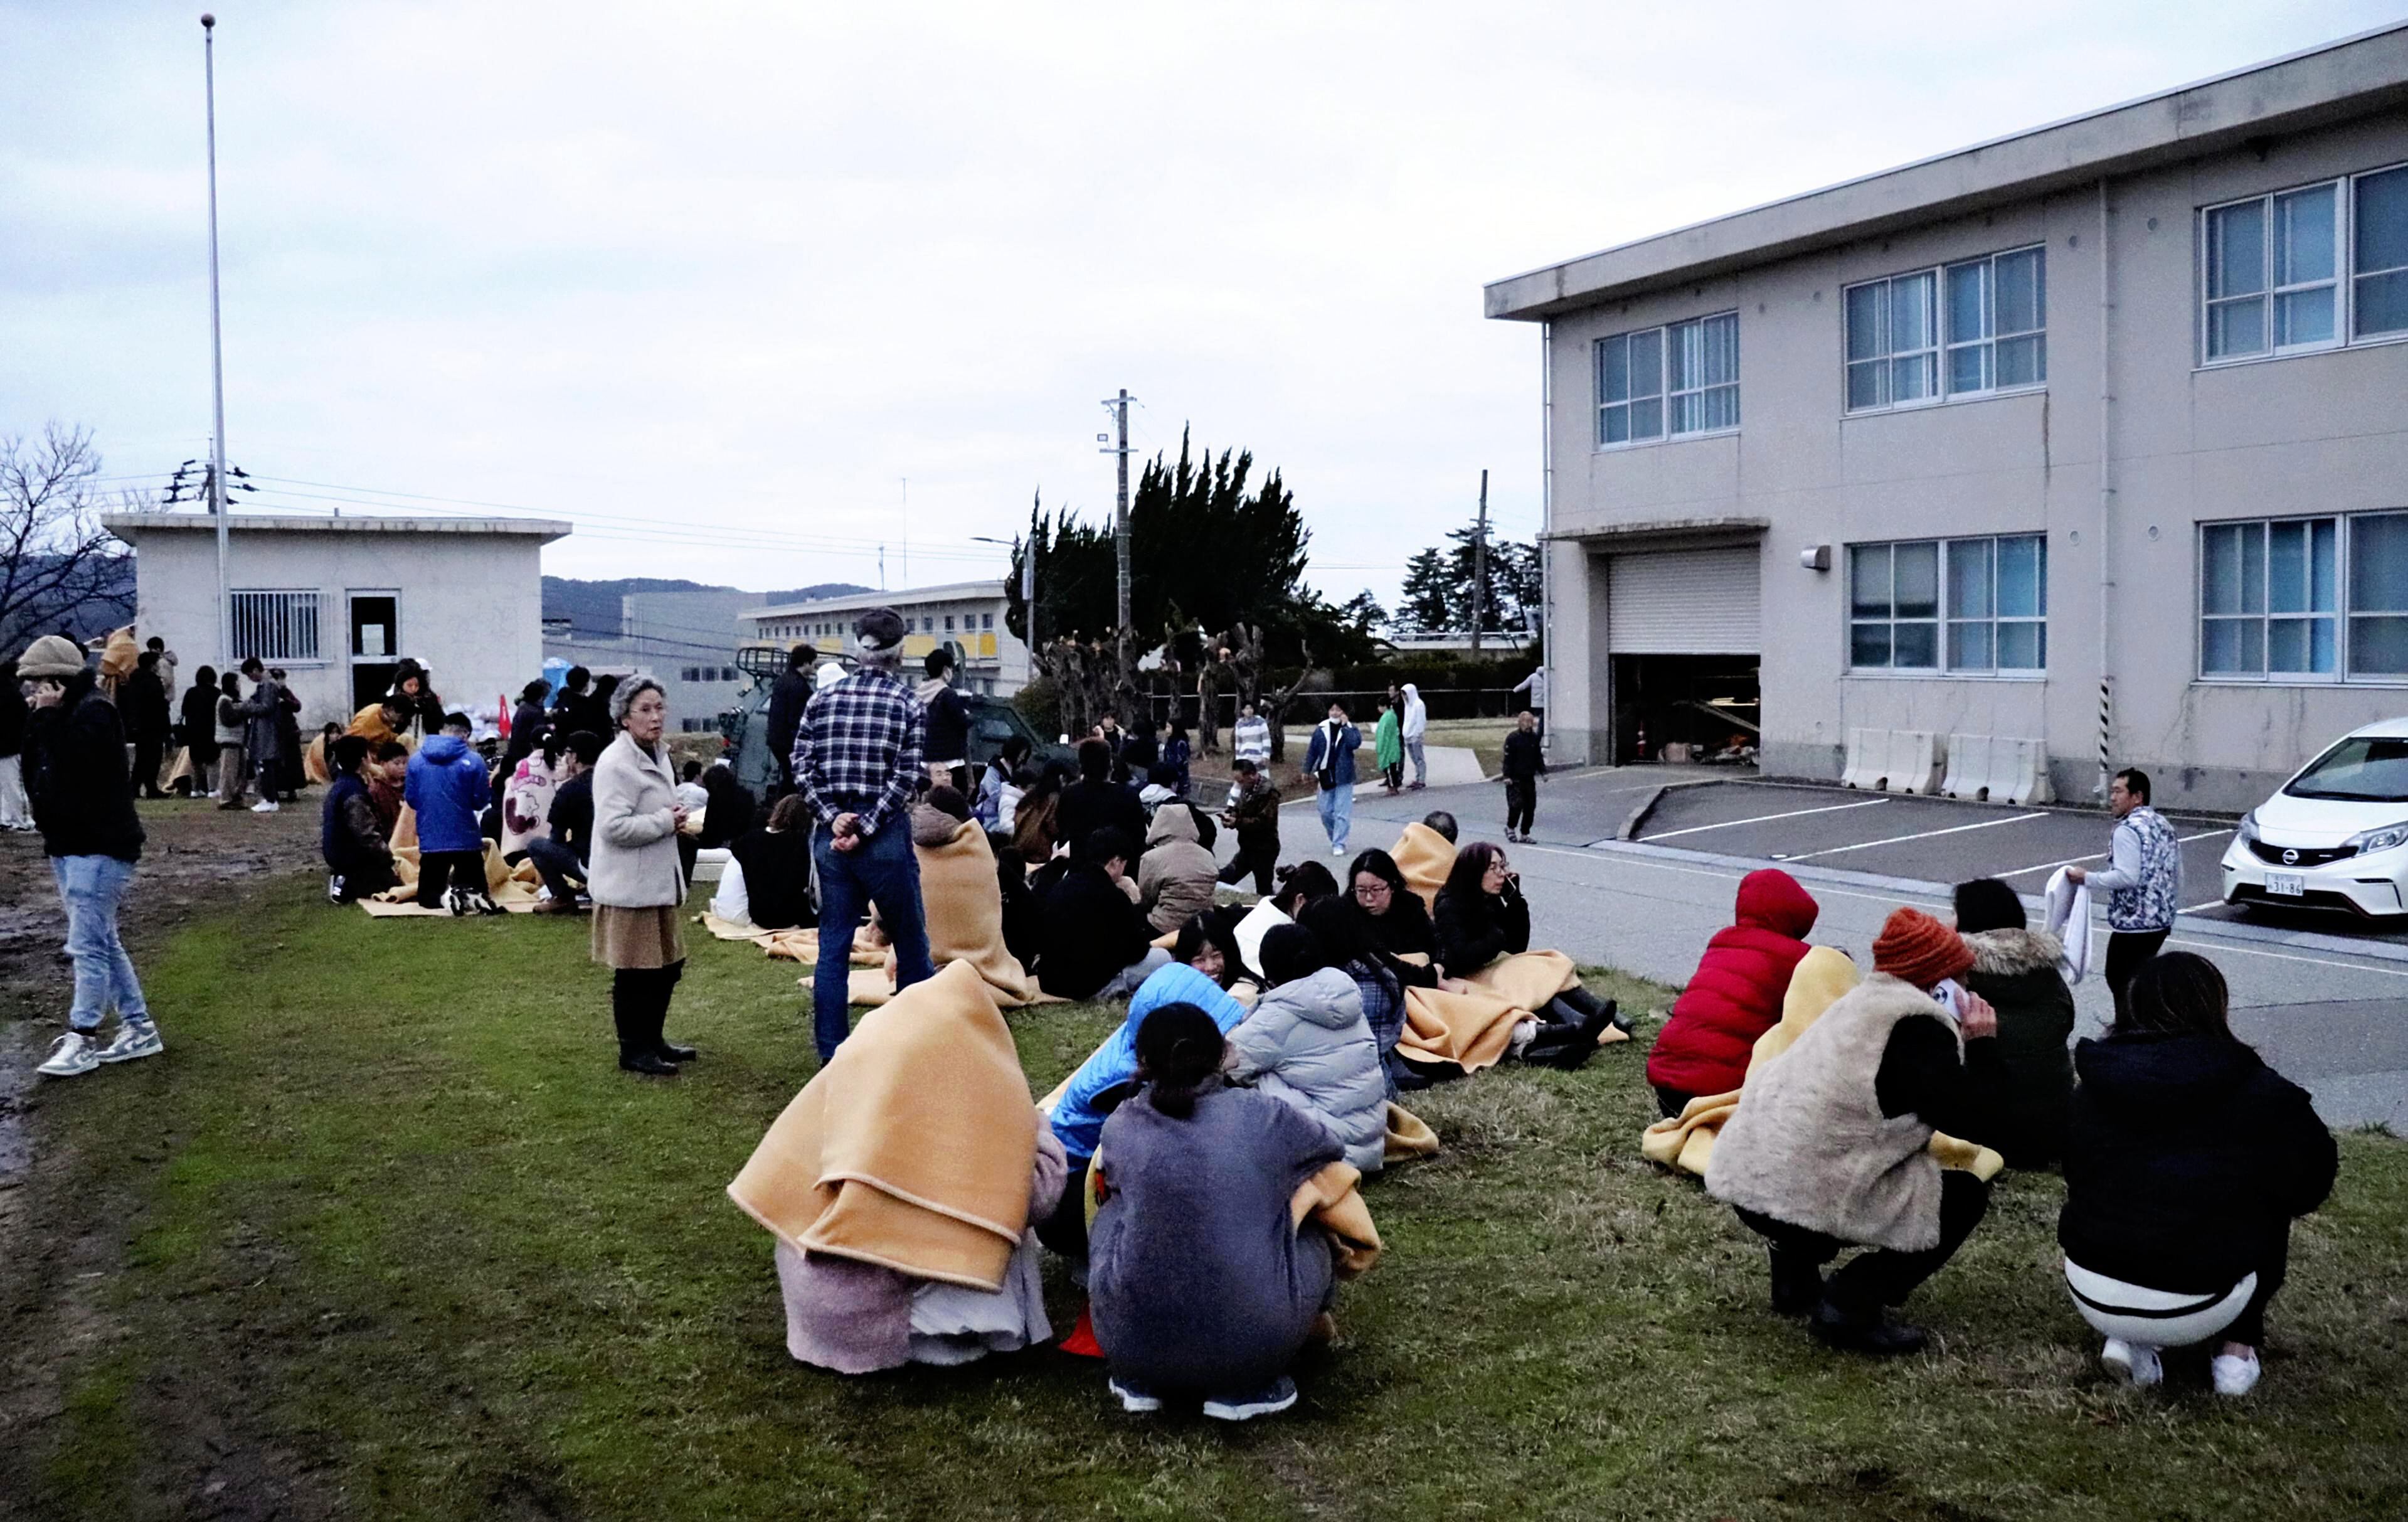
84,804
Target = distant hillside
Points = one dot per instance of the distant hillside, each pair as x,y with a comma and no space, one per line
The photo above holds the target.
109,606
595,605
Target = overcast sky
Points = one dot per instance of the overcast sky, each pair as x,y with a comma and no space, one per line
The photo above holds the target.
714,279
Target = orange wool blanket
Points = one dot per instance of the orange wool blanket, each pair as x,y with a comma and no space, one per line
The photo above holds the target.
911,1149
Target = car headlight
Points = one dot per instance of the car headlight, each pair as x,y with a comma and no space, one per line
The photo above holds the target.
2370,841
2247,829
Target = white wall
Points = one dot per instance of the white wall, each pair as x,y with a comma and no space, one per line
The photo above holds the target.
471,605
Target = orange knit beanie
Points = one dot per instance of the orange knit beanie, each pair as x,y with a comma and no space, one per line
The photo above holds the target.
1920,950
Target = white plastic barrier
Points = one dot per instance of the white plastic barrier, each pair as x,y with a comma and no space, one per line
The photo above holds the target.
1868,758
2019,771
1970,767
1998,768
1914,761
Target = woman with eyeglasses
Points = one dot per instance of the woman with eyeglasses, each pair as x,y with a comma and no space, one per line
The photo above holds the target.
1392,912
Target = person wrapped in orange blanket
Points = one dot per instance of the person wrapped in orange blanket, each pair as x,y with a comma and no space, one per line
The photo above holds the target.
900,1184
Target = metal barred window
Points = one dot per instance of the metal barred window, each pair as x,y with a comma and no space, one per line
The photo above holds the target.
276,625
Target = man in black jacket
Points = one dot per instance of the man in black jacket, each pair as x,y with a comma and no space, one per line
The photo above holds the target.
1095,942
948,746
142,704
74,775
561,856
785,715
1095,800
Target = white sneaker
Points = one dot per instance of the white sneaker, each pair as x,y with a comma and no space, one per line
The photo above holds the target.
2234,1373
334,889
2135,1363
1338,851
72,1056
1135,1401
136,1038
265,806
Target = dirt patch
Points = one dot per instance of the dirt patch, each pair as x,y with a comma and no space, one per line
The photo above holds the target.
60,1246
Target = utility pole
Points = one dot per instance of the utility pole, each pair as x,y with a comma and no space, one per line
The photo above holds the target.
217,352
1120,405
1479,565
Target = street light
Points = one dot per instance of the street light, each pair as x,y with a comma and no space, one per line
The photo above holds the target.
1028,578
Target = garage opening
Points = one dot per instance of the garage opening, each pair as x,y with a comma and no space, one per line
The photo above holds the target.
1683,627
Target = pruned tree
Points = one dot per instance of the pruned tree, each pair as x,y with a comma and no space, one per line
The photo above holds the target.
57,564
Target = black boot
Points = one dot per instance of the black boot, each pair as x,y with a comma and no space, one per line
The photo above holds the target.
630,1012
1862,1331
1797,1284
663,989
1561,1045
1587,1004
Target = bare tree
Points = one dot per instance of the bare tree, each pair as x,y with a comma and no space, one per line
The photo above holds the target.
55,559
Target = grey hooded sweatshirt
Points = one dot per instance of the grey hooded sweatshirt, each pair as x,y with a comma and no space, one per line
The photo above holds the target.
1308,1044
1175,876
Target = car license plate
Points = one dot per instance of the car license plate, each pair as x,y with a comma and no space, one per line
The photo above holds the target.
2286,885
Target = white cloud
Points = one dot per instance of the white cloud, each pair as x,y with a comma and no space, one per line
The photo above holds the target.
751,266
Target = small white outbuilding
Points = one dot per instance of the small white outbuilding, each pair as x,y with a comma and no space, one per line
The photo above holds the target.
339,602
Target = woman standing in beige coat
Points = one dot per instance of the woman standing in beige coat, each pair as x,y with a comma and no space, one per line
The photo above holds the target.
637,879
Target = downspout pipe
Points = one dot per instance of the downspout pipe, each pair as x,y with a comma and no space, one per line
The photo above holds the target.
2106,501
1547,526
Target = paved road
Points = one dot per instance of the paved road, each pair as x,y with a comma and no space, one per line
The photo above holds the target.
2327,1004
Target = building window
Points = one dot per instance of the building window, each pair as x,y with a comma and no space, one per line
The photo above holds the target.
986,621
1966,329
1668,381
948,623
2272,280
276,626
727,673
1966,607
2304,599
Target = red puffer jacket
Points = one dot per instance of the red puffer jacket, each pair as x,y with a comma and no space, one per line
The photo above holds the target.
1735,995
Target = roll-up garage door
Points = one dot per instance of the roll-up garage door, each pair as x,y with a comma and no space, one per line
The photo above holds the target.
1683,602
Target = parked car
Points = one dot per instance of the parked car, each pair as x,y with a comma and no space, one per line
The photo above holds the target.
2333,837
993,721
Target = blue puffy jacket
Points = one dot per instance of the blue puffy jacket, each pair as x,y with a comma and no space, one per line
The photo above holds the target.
448,789
1077,1123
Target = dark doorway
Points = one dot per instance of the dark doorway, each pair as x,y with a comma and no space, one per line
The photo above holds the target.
376,637
1707,702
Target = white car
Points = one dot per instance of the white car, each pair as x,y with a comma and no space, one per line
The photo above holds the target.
2333,837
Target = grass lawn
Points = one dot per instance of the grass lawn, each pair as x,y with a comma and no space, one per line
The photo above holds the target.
388,1196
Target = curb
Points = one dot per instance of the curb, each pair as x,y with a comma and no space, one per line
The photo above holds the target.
1636,818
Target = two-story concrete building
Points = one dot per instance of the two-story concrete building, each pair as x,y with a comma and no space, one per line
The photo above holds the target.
967,617
2097,434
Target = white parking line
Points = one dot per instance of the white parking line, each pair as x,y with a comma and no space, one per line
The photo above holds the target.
1793,813
1920,835
2102,855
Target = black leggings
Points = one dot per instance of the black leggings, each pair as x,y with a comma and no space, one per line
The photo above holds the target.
640,1004
1885,1276
439,870
1258,857
2273,1269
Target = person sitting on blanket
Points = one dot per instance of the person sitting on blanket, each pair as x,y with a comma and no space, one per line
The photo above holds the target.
562,854
1380,980
1830,1146
731,811
1735,995
1175,878
527,790
1096,800
1199,1281
349,836
1298,884
1308,1042
1095,942
918,1250
448,789
1482,916
388,773
2015,968
769,871
1198,976
1393,915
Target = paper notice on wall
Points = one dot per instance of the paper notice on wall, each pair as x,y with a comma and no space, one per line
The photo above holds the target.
371,639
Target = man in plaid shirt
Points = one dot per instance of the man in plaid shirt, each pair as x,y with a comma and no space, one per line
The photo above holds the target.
856,765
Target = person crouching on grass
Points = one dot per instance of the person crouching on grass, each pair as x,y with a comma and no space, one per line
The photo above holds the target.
636,880
1830,1149
358,860
448,789
84,804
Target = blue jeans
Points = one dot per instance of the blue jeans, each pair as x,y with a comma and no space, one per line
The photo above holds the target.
91,887
1338,812
881,871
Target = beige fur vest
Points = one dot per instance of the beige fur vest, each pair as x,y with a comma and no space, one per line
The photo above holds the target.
1808,1144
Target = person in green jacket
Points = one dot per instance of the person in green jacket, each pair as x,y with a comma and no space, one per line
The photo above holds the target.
1388,748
